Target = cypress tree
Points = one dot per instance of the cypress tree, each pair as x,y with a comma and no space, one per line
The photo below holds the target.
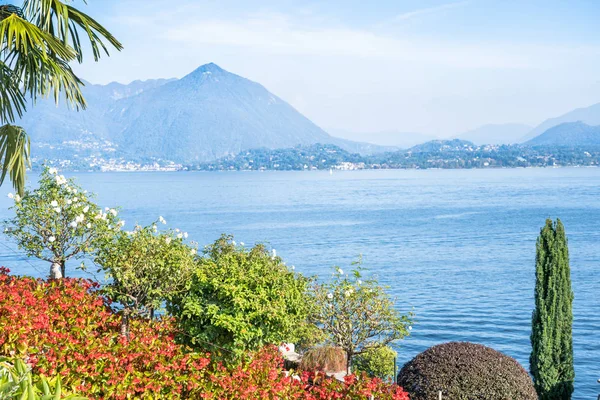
551,361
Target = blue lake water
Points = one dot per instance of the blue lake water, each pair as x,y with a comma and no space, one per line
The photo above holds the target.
457,245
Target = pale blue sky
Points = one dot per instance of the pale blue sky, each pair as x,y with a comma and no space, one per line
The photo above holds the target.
431,66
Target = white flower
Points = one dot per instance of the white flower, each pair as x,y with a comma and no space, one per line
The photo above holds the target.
113,212
168,240
193,252
99,215
52,171
359,282
61,180
330,296
106,208
73,224
274,253
76,199
180,236
154,228
69,202
340,271
57,209
233,242
89,226
79,218
75,191
242,244
347,293
121,223
54,203
11,196
185,235
86,209
293,267
51,239
17,198
162,220
177,230
410,328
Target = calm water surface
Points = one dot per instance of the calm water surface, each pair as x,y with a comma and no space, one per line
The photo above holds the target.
458,246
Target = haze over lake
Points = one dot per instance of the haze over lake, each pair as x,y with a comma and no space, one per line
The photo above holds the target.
458,246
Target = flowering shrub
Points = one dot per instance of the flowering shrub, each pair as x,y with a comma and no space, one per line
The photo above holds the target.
59,221
64,328
357,314
145,268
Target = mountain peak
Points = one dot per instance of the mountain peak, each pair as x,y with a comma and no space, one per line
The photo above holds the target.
210,68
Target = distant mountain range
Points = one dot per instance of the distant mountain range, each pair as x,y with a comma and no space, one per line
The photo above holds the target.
211,114
399,139
208,114
568,134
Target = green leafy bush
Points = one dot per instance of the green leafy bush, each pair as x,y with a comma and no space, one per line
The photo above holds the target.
239,300
145,268
465,371
377,362
18,382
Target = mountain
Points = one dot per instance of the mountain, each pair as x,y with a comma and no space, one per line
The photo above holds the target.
496,134
401,140
439,146
568,134
207,114
589,115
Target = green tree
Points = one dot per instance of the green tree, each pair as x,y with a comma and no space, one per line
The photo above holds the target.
59,221
145,268
551,360
358,315
239,300
37,42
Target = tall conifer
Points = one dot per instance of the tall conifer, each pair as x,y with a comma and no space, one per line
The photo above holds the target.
551,360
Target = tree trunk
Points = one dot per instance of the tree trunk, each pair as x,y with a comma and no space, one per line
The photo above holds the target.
125,324
57,270
348,363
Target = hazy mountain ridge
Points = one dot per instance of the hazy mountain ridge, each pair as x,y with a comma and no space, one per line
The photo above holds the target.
496,134
207,114
568,134
589,115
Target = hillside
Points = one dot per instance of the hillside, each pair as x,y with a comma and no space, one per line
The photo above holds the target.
435,146
589,115
208,114
569,134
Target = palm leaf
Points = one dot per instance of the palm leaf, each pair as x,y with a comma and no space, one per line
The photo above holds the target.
15,151
39,61
65,22
12,99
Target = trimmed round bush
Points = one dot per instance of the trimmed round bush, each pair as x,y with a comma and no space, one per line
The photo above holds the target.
465,371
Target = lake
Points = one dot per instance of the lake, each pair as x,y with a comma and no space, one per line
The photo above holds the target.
457,245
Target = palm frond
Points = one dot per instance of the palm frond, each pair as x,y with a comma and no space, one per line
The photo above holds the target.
65,22
12,99
39,61
15,150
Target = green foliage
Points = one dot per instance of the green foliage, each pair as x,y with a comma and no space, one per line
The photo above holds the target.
551,360
145,267
465,371
37,43
17,382
358,315
239,300
59,221
377,362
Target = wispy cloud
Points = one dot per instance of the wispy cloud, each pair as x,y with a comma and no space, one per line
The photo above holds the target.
429,10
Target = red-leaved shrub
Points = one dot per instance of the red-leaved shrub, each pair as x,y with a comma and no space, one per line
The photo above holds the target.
64,327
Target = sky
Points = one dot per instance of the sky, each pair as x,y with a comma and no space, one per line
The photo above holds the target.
438,67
